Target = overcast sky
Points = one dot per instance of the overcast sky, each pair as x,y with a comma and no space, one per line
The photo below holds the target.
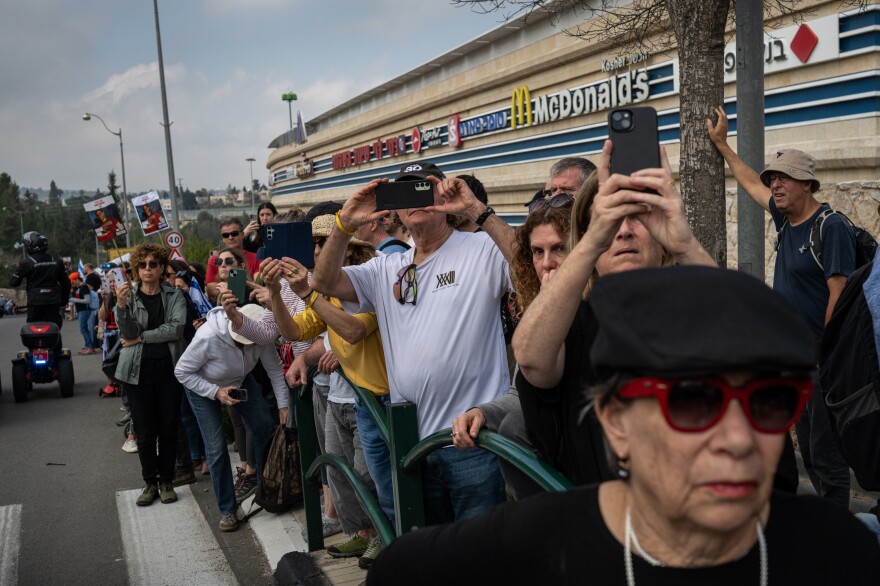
227,62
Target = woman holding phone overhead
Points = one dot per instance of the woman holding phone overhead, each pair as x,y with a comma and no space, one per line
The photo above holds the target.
151,317
253,236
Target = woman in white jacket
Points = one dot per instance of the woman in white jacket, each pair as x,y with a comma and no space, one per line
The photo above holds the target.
216,362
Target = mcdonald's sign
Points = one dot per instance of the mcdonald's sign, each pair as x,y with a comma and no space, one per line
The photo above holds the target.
520,107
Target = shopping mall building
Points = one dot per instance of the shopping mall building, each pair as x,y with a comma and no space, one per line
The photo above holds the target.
509,103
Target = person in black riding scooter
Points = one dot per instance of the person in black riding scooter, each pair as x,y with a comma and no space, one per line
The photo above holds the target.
48,286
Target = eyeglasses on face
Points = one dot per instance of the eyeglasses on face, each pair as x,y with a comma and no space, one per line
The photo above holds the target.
170,275
153,264
320,242
771,405
557,201
228,261
782,177
232,234
406,288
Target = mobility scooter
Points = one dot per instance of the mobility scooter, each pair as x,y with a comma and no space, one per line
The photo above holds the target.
41,362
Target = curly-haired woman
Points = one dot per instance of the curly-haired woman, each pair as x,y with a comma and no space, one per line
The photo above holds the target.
151,317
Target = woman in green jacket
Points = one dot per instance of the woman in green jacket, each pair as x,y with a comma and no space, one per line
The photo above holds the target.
151,317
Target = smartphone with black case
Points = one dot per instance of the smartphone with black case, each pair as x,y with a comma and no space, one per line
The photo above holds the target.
636,139
293,239
399,195
239,394
237,284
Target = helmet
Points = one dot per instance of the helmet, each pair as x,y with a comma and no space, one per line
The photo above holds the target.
35,242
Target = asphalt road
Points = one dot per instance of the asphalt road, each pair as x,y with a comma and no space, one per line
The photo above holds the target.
63,463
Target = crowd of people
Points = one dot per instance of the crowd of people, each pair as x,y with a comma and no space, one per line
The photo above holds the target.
600,335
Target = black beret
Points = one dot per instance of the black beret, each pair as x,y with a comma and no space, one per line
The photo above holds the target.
694,321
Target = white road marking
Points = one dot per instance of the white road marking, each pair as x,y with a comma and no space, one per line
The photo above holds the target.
170,544
278,534
10,533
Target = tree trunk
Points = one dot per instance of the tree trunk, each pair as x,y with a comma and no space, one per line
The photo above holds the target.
699,27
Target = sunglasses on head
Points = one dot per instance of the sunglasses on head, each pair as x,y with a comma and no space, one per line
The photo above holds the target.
771,405
557,201
228,261
152,264
232,234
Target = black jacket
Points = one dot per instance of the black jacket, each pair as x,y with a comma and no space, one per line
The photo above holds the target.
47,283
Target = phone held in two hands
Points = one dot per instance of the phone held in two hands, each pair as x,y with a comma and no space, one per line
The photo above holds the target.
293,239
404,194
636,140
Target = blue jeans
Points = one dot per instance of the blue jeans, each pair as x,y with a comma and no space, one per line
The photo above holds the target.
85,316
207,411
460,484
191,427
93,320
377,456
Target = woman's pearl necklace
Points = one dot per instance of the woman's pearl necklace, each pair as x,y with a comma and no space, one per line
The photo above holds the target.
630,540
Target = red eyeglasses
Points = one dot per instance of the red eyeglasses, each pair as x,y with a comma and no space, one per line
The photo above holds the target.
771,405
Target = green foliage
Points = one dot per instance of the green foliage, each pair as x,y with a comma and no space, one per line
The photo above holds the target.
111,185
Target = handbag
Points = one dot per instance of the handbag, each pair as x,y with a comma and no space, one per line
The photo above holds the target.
111,361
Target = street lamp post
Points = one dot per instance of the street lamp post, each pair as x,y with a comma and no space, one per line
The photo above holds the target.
21,223
289,97
166,124
87,116
251,161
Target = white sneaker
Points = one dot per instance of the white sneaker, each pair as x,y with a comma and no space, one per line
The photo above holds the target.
130,446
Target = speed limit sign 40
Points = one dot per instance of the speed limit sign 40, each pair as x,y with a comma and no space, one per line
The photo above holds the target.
174,239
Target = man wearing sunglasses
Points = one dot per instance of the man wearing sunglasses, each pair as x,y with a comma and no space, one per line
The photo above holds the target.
437,306
232,235
786,190
566,177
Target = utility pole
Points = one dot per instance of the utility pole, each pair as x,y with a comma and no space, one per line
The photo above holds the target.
166,124
750,132
253,206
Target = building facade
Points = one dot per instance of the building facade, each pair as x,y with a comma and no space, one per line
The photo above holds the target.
509,103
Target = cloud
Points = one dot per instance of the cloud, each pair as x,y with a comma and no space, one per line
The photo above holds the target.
133,80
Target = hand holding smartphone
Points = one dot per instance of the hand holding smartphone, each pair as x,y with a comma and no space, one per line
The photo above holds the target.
239,394
293,239
237,284
404,194
636,140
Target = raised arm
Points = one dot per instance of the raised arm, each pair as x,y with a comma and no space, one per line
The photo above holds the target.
458,199
744,175
329,278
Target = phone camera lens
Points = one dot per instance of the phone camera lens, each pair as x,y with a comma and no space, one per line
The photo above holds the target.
625,123
616,117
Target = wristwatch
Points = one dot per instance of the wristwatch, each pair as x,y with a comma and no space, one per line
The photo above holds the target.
484,216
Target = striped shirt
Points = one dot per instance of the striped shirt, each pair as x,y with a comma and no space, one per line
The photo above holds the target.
265,331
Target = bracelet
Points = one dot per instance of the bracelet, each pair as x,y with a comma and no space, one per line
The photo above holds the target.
313,296
341,227
484,216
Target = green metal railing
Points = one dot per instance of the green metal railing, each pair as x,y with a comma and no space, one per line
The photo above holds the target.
399,429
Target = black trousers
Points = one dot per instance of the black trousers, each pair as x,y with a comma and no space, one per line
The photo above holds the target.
155,410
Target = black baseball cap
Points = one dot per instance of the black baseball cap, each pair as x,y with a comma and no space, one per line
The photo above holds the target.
416,170
323,208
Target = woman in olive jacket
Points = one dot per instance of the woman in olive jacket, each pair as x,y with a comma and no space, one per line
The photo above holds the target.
151,317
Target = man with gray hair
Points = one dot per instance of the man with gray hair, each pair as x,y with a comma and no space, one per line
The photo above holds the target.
786,189
566,177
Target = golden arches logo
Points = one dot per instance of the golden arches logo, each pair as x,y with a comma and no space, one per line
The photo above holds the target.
520,107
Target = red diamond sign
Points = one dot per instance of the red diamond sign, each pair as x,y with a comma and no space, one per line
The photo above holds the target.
803,43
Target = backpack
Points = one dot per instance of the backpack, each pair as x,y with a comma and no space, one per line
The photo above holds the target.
94,300
866,245
393,242
280,485
849,372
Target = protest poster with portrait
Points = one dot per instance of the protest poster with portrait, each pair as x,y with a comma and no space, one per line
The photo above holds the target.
106,219
150,213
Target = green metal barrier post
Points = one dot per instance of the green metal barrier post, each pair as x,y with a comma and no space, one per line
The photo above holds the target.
409,508
308,449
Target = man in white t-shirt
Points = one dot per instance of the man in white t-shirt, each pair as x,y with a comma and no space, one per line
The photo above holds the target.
437,306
